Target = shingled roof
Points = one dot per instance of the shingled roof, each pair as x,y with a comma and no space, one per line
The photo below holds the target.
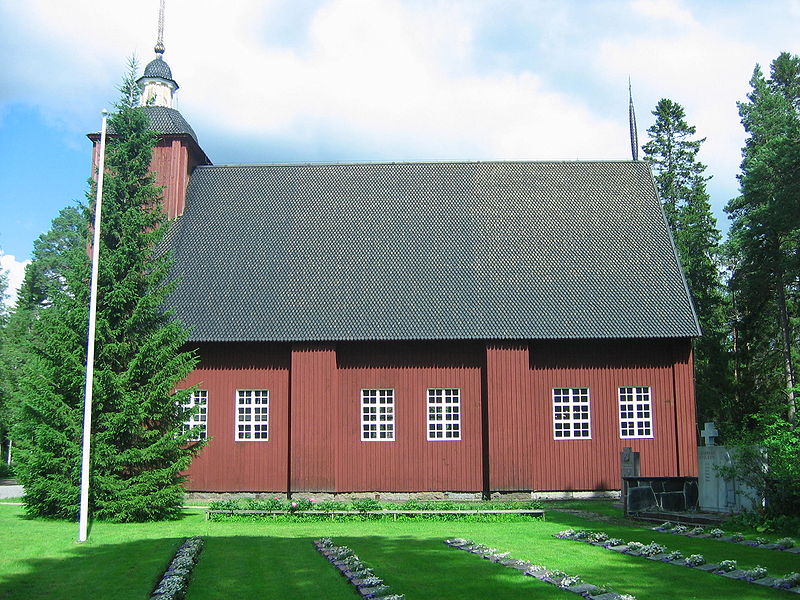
440,250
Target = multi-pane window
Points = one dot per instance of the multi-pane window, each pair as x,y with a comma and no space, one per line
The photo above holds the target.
198,403
571,413
444,414
377,415
252,415
635,412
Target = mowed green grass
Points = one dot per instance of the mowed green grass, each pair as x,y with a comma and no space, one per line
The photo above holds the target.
40,559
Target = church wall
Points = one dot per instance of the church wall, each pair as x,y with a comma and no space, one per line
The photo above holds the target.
603,367
411,462
507,441
226,464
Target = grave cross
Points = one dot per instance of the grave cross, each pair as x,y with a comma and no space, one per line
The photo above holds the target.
709,433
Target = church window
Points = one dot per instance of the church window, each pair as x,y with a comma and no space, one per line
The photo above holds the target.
444,414
252,415
198,402
571,419
377,415
635,412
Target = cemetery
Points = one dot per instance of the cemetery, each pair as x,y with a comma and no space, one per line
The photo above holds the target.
537,557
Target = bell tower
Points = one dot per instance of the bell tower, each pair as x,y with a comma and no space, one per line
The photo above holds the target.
177,151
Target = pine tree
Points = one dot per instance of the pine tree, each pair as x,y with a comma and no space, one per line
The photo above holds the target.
764,242
765,281
680,177
138,446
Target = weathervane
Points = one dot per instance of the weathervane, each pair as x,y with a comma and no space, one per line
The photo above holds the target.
160,43
631,121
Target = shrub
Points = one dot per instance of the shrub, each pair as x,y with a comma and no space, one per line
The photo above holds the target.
695,560
675,555
680,529
727,565
697,531
716,532
789,580
652,549
785,543
755,573
635,546
615,542
737,537
365,504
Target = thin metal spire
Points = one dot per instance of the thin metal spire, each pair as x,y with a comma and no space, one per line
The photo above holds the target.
160,42
631,122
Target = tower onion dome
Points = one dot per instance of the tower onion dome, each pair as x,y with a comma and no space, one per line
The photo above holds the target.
159,69
157,83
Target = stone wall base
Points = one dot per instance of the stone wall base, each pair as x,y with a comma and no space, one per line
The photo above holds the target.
517,496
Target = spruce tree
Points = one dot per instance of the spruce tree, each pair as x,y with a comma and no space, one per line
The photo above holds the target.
139,447
680,177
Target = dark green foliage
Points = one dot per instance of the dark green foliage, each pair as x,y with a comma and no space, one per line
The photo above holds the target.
138,448
765,281
764,238
672,152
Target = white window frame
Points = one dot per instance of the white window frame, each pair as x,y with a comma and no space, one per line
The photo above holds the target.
444,425
199,418
377,415
569,404
252,416
635,412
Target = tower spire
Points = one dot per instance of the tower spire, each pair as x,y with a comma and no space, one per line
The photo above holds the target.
631,123
159,48
158,86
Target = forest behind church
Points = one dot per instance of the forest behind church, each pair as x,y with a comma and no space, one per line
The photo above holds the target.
746,289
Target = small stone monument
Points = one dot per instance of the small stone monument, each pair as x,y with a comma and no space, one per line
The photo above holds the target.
709,434
717,494
628,467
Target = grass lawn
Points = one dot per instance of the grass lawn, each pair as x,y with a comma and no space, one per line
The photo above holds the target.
272,559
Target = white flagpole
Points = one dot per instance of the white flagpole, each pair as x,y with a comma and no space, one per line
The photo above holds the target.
87,404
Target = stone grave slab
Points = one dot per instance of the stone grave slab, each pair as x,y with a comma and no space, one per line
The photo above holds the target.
766,581
735,574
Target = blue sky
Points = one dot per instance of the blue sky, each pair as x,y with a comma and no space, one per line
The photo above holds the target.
341,80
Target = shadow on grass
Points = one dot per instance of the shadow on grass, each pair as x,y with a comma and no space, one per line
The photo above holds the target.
115,571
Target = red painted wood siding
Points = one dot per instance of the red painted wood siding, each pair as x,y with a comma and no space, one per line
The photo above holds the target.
314,407
524,454
506,404
225,464
411,462
173,160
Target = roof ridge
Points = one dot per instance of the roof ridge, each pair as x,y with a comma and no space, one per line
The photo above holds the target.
424,162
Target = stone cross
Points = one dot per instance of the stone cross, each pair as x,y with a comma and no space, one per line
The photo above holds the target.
709,433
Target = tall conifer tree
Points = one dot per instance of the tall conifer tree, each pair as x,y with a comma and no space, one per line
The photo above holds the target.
764,242
138,446
680,177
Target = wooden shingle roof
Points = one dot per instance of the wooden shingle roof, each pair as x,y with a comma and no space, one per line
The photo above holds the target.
439,250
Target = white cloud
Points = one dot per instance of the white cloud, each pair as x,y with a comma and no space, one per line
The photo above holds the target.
15,272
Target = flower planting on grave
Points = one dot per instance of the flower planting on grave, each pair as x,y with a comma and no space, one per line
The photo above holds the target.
653,551
570,583
360,576
175,581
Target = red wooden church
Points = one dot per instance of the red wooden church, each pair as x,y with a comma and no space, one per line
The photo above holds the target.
440,326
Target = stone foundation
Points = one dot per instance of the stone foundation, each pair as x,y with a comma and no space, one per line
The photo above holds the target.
518,496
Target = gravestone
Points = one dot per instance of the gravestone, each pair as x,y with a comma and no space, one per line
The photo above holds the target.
628,467
717,494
